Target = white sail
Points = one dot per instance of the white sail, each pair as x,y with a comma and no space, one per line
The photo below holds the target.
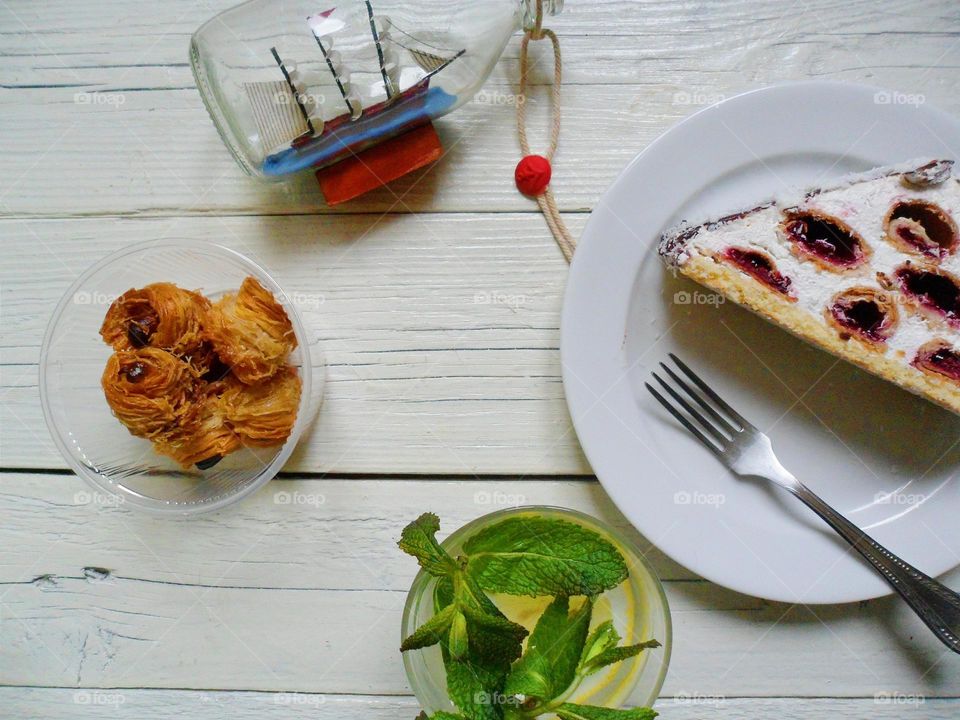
275,112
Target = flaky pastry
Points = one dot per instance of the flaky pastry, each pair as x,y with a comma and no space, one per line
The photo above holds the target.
148,389
263,414
201,438
250,332
201,380
160,315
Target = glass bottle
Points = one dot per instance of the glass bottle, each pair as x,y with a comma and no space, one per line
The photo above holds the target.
298,84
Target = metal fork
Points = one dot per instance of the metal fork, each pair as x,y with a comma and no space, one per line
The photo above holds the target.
748,452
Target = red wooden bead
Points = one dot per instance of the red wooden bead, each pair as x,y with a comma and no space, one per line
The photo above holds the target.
533,175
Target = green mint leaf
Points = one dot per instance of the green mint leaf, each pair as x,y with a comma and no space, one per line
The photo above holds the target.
491,634
431,632
494,636
439,715
616,654
531,679
603,637
553,652
475,686
418,539
459,643
470,594
570,711
539,556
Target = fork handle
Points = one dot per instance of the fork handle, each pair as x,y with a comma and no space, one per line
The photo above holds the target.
936,604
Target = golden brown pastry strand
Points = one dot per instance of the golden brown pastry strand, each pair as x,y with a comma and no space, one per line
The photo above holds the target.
148,389
264,414
250,332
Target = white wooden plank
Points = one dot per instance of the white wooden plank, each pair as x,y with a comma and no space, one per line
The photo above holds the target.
441,333
62,155
83,704
329,534
158,152
271,596
609,40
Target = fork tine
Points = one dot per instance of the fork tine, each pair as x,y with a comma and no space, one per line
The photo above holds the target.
693,412
718,418
683,420
710,393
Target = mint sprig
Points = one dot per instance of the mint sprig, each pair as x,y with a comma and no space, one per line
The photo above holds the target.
489,675
469,618
477,640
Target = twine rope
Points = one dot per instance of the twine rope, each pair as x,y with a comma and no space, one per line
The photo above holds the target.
546,200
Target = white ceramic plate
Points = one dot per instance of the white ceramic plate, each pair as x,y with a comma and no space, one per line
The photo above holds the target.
888,460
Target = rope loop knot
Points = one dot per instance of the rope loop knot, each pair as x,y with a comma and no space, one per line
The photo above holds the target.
534,171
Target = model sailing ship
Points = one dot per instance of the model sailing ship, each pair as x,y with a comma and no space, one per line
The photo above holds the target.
292,123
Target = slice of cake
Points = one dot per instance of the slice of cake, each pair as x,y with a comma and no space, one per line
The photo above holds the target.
868,268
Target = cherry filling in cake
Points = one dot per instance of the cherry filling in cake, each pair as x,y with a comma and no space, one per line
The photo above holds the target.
932,289
825,239
759,266
938,357
918,226
866,312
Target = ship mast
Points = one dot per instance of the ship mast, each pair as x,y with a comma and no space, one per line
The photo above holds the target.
387,82
336,76
293,89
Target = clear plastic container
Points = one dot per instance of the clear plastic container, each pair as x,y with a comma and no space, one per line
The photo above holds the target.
296,84
638,608
123,468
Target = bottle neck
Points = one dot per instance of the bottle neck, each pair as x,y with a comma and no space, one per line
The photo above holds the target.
529,11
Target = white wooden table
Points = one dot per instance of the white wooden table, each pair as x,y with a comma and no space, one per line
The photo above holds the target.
441,298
